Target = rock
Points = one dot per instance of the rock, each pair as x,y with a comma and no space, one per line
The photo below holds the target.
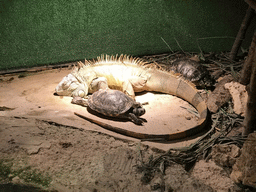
225,155
17,180
177,179
219,96
213,175
158,184
239,96
244,170
34,148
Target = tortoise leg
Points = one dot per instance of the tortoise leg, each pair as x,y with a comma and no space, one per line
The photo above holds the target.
135,119
79,101
132,117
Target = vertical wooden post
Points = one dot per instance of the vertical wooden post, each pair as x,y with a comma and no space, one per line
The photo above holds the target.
247,67
241,33
250,113
248,77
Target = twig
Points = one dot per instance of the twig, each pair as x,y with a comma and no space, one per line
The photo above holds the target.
167,44
191,111
179,46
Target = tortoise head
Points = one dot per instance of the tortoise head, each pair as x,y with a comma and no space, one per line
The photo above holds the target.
138,110
207,82
70,86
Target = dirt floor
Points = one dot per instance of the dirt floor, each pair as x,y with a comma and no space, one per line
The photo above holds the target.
43,144
33,96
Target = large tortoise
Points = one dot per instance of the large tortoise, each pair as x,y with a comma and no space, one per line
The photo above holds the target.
113,103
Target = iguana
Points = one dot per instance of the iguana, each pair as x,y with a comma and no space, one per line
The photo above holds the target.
131,75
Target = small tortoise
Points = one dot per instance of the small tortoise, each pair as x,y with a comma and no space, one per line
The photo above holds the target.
194,72
113,103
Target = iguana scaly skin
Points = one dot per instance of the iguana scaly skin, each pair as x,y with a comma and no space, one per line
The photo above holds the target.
131,75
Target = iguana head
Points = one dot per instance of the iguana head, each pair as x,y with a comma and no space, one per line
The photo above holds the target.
70,86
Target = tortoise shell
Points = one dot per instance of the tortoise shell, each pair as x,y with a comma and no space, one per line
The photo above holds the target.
110,102
193,71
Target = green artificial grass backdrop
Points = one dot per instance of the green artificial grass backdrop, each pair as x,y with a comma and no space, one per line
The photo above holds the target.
39,32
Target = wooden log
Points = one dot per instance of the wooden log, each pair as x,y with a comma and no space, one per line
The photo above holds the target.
250,113
241,33
251,3
247,67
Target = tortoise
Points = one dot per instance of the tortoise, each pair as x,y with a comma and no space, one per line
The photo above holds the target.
194,72
113,103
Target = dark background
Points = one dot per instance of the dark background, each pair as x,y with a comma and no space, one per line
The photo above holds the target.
35,32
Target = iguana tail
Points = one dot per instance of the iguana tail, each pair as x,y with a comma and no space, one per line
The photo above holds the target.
173,84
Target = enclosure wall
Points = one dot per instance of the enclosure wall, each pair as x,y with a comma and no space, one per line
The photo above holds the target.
52,31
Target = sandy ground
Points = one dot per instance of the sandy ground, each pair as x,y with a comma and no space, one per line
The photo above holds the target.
43,133
32,96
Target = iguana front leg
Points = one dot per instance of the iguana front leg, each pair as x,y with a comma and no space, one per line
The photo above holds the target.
128,89
134,84
98,83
